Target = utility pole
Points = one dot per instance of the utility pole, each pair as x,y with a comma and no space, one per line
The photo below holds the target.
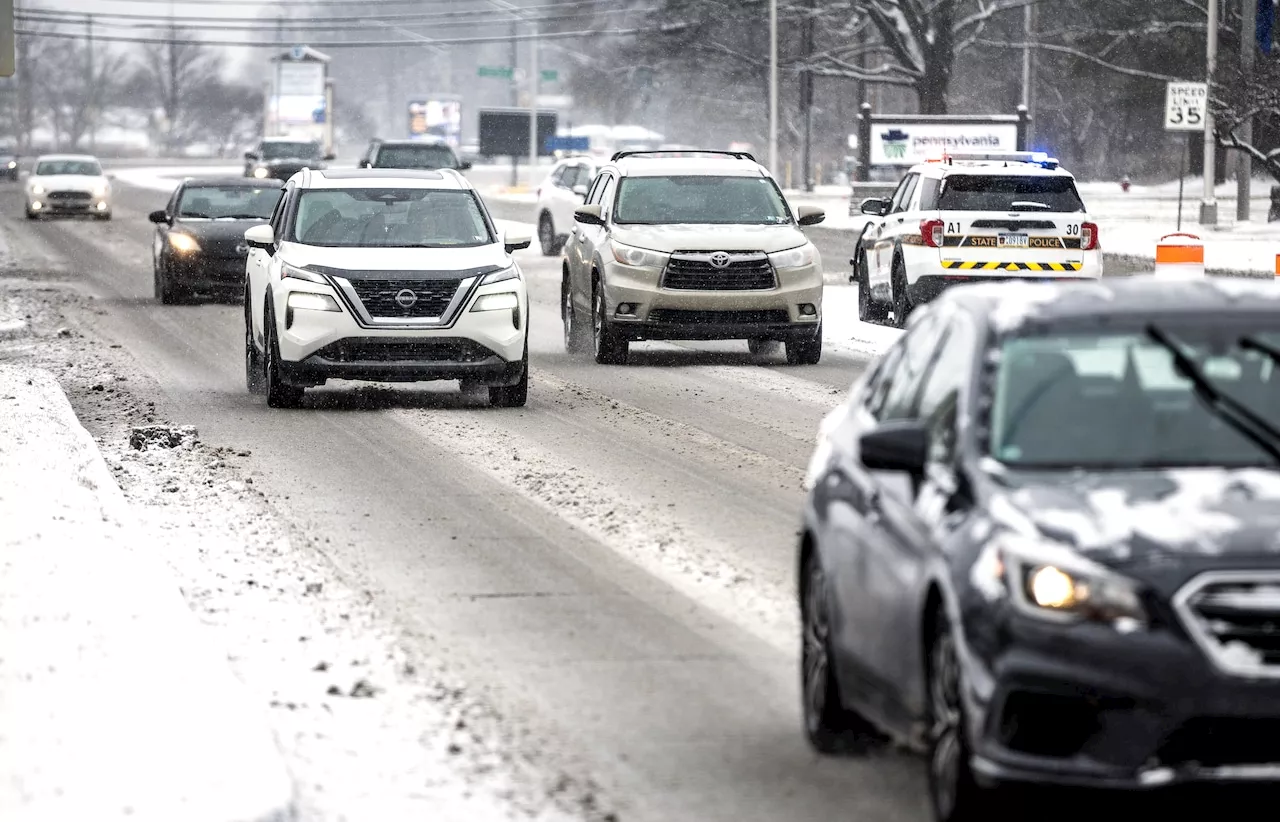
1029,68
1209,205
533,105
91,93
1248,52
275,98
773,86
806,95
515,97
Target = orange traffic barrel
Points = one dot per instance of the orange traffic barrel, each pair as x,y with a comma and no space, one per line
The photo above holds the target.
1180,255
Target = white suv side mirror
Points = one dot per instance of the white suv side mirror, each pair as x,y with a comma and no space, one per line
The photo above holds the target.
260,236
513,241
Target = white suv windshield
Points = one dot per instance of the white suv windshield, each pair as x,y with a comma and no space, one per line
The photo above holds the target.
391,218
982,192
701,199
416,157
84,168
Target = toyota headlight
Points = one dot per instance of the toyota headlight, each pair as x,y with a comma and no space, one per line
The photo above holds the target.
638,257
184,243
795,257
1053,582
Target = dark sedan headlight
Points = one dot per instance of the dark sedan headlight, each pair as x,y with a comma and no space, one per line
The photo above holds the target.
1052,582
261,172
184,243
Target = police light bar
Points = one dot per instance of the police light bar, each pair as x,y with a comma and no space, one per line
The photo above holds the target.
1038,158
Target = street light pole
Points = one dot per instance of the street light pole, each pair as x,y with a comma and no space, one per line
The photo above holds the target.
1028,67
533,106
1209,205
773,86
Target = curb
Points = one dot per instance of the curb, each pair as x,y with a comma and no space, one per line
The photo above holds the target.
115,701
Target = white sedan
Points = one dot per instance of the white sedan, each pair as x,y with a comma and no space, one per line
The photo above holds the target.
68,184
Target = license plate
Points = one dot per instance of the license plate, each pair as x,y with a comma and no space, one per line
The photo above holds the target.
1013,241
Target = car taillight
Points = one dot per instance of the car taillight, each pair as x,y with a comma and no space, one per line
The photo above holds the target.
1089,236
931,231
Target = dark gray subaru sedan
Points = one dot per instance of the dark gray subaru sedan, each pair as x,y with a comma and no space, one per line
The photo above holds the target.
1041,541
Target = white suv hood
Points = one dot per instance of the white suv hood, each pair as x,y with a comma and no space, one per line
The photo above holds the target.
669,238
68,182
396,259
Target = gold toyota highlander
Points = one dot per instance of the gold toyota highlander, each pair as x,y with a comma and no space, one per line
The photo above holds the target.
690,246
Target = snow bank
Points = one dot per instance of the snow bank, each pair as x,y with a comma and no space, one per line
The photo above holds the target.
114,705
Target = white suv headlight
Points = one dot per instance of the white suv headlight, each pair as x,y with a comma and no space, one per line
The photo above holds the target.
36,188
638,257
312,302
296,273
795,257
508,273
496,302
100,190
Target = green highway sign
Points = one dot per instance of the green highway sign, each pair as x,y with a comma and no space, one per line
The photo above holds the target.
550,75
504,72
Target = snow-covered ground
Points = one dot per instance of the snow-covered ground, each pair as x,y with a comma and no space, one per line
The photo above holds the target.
367,729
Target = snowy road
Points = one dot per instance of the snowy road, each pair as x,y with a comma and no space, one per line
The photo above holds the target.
609,568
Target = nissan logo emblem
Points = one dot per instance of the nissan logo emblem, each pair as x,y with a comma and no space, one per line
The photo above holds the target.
720,259
406,298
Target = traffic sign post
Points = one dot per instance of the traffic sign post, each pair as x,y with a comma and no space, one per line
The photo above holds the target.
1185,108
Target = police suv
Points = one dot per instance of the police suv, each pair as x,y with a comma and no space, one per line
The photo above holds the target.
972,218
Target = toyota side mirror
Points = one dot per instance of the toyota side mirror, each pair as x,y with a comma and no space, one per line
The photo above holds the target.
261,236
160,217
875,206
896,446
589,215
513,241
810,215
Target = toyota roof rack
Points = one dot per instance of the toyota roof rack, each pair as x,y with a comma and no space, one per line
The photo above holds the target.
737,155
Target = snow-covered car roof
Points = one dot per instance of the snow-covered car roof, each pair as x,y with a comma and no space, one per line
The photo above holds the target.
445,178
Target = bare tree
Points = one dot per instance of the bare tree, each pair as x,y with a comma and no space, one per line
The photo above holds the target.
77,93
1240,97
172,74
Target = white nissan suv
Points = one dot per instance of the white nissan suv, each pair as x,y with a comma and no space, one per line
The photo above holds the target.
385,275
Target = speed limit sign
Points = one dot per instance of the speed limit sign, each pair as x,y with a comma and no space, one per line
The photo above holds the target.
1186,105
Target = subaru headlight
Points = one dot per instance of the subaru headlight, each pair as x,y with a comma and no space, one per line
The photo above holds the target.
1050,581
184,243
638,257
508,273
287,271
795,257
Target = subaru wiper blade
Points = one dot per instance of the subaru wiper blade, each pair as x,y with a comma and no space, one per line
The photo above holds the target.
1231,411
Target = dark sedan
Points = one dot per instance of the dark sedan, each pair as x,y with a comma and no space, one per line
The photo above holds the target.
277,158
9,165
199,244
1042,541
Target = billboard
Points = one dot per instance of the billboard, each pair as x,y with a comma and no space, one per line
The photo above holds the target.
436,117
299,100
504,132
907,143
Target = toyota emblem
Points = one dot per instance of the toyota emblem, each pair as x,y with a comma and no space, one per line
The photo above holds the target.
720,259
406,298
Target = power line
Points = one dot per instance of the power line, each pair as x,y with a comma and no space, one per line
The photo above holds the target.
182,20
357,44
161,23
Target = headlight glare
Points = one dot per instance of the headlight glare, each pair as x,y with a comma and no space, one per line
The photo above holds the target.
795,257
37,189
509,273
1052,582
100,191
296,273
313,302
184,243
638,257
260,172
497,302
